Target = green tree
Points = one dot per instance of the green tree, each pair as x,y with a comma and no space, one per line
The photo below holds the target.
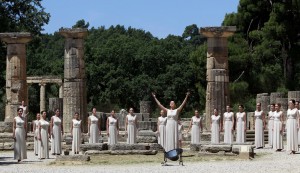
19,16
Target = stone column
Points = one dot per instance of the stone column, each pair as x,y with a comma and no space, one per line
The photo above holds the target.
61,90
145,110
16,85
217,92
42,96
295,95
145,106
74,86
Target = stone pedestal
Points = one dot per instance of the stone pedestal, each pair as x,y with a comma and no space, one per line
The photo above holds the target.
16,85
217,93
74,93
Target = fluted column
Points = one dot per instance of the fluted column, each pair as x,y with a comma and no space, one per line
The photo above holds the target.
74,93
42,96
16,85
217,92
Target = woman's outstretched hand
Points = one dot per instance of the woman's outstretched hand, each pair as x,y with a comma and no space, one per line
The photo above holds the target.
188,93
153,94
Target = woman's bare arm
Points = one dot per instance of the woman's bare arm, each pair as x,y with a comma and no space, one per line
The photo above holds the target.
184,101
158,103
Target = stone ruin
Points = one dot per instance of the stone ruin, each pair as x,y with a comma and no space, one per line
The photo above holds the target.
217,91
72,89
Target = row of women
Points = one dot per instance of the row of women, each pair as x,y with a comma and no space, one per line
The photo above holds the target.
112,127
276,127
43,131
41,137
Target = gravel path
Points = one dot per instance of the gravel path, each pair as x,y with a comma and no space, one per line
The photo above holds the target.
275,162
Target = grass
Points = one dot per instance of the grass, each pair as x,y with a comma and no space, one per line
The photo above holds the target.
106,159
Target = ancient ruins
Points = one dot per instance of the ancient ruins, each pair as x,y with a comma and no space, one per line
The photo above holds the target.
16,85
217,91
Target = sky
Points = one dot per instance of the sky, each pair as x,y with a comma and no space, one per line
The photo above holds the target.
159,17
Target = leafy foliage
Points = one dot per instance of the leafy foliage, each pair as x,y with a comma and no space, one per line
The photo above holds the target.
19,16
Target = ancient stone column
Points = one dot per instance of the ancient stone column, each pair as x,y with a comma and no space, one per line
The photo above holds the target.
145,106
294,95
258,97
274,96
217,92
74,91
55,103
16,85
61,90
265,104
145,110
42,96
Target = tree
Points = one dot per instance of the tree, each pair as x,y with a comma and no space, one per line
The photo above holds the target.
81,24
19,16
265,47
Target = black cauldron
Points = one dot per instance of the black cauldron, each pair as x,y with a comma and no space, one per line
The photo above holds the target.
173,154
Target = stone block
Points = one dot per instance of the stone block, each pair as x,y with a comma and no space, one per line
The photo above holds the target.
156,146
97,146
133,152
147,125
246,152
78,158
146,139
216,148
146,133
6,127
195,147
30,145
203,154
8,146
96,152
127,147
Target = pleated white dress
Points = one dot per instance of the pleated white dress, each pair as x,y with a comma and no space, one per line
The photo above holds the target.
270,126
35,139
277,134
215,129
240,127
195,135
259,130
57,136
94,130
291,130
162,131
299,128
171,130
20,151
228,136
131,129
44,142
76,135
113,132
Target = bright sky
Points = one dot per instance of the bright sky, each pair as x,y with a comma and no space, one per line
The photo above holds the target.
160,17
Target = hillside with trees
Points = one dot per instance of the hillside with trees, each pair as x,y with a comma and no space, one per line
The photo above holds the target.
124,65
